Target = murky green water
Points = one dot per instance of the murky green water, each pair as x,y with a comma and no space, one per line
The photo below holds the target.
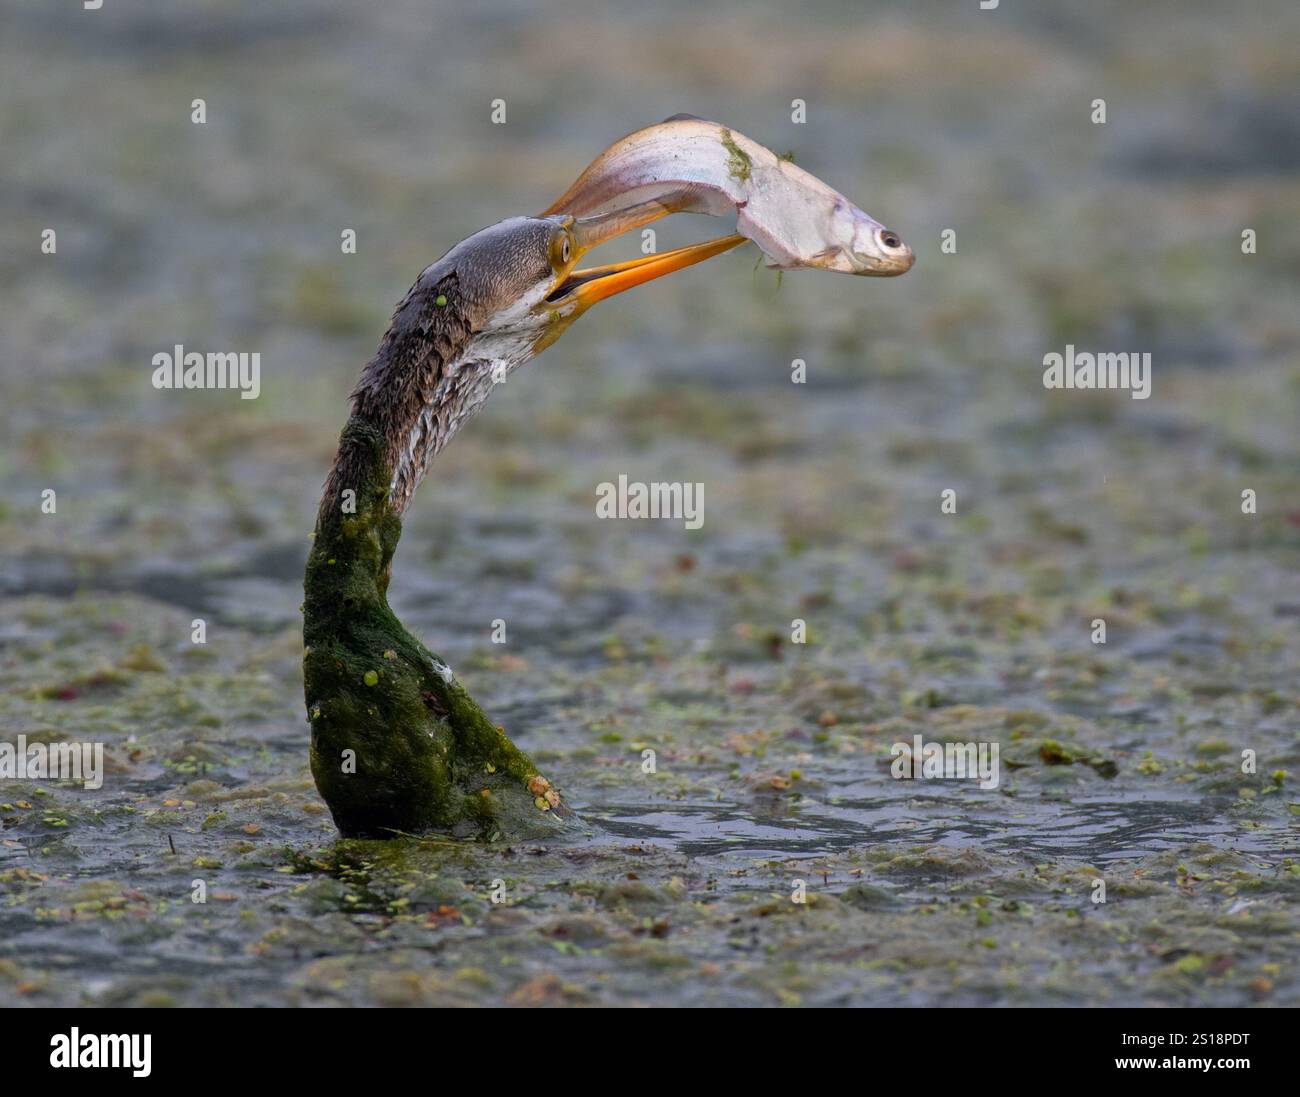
821,503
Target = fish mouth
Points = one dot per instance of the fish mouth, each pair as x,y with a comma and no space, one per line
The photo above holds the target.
872,266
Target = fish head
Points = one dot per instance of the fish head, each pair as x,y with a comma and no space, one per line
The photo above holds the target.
865,246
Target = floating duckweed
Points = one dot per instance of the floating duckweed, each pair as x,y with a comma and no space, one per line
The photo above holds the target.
440,300
371,677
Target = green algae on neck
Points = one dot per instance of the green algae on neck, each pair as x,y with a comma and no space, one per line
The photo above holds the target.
398,746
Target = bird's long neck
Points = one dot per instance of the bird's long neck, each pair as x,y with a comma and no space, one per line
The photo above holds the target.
402,405
382,452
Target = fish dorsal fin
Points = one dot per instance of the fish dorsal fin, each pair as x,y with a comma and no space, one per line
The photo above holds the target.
683,117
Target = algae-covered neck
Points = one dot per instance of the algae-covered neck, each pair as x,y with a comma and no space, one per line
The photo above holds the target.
357,531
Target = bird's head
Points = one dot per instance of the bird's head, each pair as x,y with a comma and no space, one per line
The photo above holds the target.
521,283
493,302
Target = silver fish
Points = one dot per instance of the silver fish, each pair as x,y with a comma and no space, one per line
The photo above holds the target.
688,165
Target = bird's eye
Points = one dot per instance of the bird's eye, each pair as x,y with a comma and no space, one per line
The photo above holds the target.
561,249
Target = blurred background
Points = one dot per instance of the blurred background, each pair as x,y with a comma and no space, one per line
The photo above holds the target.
821,501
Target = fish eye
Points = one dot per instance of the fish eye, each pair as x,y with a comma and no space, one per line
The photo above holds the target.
890,239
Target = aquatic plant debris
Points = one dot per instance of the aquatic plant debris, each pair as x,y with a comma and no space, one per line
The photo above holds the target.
739,165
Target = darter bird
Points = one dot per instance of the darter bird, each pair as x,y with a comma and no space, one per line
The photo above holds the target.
398,746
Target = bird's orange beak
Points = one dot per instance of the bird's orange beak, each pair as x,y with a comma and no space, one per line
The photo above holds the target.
592,284
579,289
